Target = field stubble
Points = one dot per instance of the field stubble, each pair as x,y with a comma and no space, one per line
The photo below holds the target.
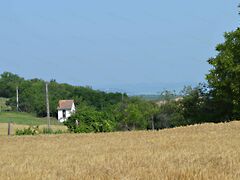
209,151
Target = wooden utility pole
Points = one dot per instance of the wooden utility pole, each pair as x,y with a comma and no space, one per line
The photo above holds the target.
17,100
153,128
47,104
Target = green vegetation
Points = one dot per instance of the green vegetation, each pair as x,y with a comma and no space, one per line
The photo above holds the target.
32,94
88,119
46,130
24,118
224,77
3,106
131,114
35,130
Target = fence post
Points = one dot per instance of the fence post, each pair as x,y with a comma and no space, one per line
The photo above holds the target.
9,128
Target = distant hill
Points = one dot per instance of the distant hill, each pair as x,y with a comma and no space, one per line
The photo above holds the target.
151,97
32,94
151,89
158,98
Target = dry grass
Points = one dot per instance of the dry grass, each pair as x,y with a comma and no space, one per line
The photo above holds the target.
209,151
14,127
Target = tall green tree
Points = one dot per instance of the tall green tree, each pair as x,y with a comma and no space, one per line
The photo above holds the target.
224,77
8,84
135,114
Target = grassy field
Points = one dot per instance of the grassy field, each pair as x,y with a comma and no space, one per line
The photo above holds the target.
209,151
24,118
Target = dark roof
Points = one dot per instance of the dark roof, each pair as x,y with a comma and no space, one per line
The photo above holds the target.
65,104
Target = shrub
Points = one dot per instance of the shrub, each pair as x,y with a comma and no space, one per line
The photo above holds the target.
51,131
32,130
47,130
59,131
87,119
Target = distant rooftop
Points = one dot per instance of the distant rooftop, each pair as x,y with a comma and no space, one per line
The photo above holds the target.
65,104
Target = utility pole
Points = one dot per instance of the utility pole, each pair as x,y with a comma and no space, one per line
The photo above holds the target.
17,100
152,118
47,104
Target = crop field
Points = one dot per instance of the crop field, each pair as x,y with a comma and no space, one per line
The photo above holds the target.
208,151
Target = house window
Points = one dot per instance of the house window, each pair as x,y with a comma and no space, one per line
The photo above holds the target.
64,113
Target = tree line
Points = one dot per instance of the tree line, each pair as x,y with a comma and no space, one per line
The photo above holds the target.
32,94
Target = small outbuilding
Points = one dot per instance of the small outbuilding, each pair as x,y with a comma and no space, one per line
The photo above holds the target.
65,109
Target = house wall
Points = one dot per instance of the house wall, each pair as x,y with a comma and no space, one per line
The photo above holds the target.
73,108
60,115
68,113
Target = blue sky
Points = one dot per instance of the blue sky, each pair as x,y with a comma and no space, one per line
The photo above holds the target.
113,44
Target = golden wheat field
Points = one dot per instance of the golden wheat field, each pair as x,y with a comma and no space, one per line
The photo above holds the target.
208,151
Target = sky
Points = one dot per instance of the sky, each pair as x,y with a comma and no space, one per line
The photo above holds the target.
136,46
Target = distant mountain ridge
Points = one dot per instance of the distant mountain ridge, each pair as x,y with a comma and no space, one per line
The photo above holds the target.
145,88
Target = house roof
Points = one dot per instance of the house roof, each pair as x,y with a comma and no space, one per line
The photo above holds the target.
65,104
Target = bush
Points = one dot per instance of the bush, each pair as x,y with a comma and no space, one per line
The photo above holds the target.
87,119
51,131
59,131
32,130
47,130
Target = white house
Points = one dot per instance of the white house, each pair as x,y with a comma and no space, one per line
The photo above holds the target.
65,109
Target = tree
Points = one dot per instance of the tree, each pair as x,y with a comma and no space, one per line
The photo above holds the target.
168,95
169,115
8,84
88,119
224,77
133,114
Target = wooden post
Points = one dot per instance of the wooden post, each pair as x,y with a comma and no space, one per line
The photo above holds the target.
9,128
